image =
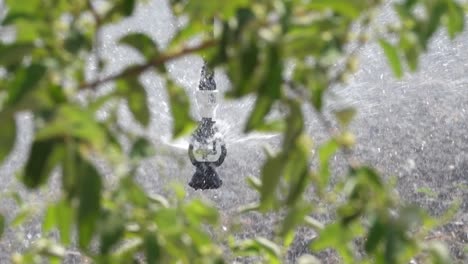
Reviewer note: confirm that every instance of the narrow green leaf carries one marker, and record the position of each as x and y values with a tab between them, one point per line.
137	102
180	109
455	18
121	8
44	156
295	125
23	214
112	229
325	153
141	42
2	225
78	122
135	94
142	148
392	56
152	249
89	205
25	81
345	116
197	212
376	233
346	8
270	247
7	135
11	54
64	220
254	182
261	109
271	174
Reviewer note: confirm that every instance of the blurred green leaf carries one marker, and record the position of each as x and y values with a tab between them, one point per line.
347	8
2	225
59	215
376	234
77	122
325	153
142	43
197	211
271	174
89	206
180	109
25	80
392	55
261	109
142	148
14	53
112	228
7	135
152	248
23	214
455	18
345	116
134	192
135	93
44	156
439	252
76	41
120	8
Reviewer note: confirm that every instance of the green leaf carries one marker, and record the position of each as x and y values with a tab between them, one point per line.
180	109
334	236
197	212
254	182
325	153
11	54
439	252
271	174
135	93
24	213
2	225
73	121
44	156
346	8
392	56
76	40
295	125
141	42
89	206
261	109
134	192
208	9
376	234
345	116
152	248
64	218
121	8
112	229
25	81
59	215
142	148
455	18
7	135
23	7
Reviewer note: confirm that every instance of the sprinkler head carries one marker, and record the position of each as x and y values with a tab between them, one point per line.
207	149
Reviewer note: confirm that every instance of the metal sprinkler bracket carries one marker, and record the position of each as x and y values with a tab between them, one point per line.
207	149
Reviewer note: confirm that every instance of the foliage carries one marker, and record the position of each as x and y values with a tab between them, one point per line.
254	42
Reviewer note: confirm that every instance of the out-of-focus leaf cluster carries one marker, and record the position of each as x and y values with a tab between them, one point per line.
286	53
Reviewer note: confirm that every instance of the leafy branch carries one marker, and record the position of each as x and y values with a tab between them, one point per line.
157	61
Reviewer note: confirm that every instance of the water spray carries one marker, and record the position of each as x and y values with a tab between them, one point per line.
207	149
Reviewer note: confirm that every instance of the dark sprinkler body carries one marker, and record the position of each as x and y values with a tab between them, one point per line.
207	149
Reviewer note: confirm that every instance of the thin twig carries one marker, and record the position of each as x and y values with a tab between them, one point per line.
138	69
